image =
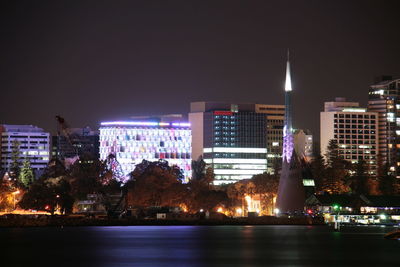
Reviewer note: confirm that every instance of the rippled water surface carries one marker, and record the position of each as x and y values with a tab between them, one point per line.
198	246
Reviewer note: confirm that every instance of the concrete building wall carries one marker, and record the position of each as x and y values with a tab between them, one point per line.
326	130
197	125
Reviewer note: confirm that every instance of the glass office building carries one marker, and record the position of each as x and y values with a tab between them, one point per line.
231	139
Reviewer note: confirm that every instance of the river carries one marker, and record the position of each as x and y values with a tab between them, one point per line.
198	246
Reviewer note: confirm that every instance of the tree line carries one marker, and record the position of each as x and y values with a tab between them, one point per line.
335	175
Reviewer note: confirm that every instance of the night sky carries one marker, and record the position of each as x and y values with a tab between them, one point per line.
90	61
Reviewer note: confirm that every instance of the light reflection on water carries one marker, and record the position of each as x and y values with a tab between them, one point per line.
198	246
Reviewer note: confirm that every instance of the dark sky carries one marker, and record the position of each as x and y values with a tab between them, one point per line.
90	61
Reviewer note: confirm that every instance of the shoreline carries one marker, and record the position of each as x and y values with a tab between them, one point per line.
55	221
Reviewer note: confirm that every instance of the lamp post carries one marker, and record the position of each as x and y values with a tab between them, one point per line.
336	207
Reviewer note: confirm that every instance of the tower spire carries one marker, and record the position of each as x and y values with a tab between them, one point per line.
288	129
288	80
291	191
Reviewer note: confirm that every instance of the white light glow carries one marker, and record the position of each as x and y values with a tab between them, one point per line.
232	171
239	150
308	182
144	123
255	161
354	110
288	81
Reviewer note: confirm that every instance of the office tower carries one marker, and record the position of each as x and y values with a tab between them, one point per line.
384	99
33	145
354	129
275	116
231	138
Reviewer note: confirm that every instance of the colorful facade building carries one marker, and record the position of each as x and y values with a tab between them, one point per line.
131	142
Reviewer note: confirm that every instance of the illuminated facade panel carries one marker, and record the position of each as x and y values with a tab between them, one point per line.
132	142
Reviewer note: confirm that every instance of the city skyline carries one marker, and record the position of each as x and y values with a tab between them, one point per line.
89	65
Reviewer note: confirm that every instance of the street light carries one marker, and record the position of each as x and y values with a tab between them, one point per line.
337	208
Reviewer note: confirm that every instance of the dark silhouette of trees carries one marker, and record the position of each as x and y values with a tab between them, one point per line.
6	197
151	182
337	171
388	183
266	185
49	194
318	170
198	168
360	180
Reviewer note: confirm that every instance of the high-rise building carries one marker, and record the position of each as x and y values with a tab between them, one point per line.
231	138
275	115
78	142
33	145
131	142
354	129
384	98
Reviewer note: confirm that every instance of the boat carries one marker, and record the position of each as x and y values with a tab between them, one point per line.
393	235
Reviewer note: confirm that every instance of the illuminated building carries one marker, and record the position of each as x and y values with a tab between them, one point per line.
33	145
231	138
275	116
134	141
384	98
80	141
354	129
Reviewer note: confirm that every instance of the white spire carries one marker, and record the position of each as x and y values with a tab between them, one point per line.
288	81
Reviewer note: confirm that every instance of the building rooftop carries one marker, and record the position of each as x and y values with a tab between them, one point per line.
21	128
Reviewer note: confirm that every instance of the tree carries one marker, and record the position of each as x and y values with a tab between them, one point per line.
6	197
359	182
387	181
26	176
198	168
49	194
155	184
337	171
266	186
85	177
15	160
318	170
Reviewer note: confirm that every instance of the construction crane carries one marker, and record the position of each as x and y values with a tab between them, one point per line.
64	130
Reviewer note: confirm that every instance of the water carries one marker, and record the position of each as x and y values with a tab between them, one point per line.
198	246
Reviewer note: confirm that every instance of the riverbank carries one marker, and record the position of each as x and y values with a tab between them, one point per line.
61	221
